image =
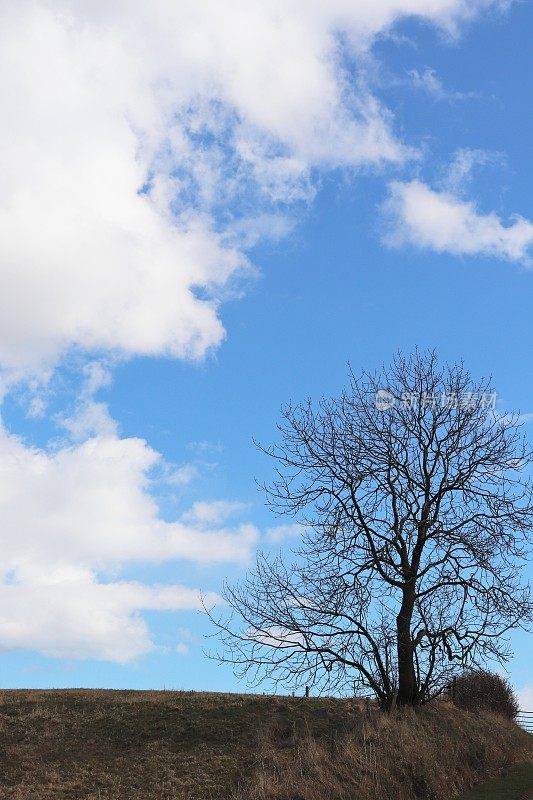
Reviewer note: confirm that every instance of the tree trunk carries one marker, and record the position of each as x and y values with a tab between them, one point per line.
407	684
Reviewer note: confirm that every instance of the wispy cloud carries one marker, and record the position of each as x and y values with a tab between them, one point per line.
429	219
525	697
428	81
281	533
213	512
459	172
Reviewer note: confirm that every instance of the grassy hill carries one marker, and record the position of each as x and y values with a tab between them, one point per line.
110	745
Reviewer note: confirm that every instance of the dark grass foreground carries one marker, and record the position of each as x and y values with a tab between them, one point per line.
515	784
107	745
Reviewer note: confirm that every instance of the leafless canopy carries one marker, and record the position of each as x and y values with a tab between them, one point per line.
416	510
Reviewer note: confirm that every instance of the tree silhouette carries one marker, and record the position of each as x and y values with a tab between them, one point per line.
416	511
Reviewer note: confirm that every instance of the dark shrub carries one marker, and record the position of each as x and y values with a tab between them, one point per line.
479	689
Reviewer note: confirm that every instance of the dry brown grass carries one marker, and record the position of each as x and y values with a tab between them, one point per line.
433	754
107	745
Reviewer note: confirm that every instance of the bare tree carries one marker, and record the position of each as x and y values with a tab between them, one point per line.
416	511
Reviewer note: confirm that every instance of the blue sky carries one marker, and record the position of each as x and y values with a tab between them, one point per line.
208	213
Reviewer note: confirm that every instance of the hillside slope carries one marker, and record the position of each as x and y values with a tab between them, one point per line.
110	745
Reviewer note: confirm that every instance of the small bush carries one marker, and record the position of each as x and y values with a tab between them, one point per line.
477	690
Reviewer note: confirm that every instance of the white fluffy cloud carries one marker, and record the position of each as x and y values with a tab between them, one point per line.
146	146
71	519
90	504
72	615
442	221
130	125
